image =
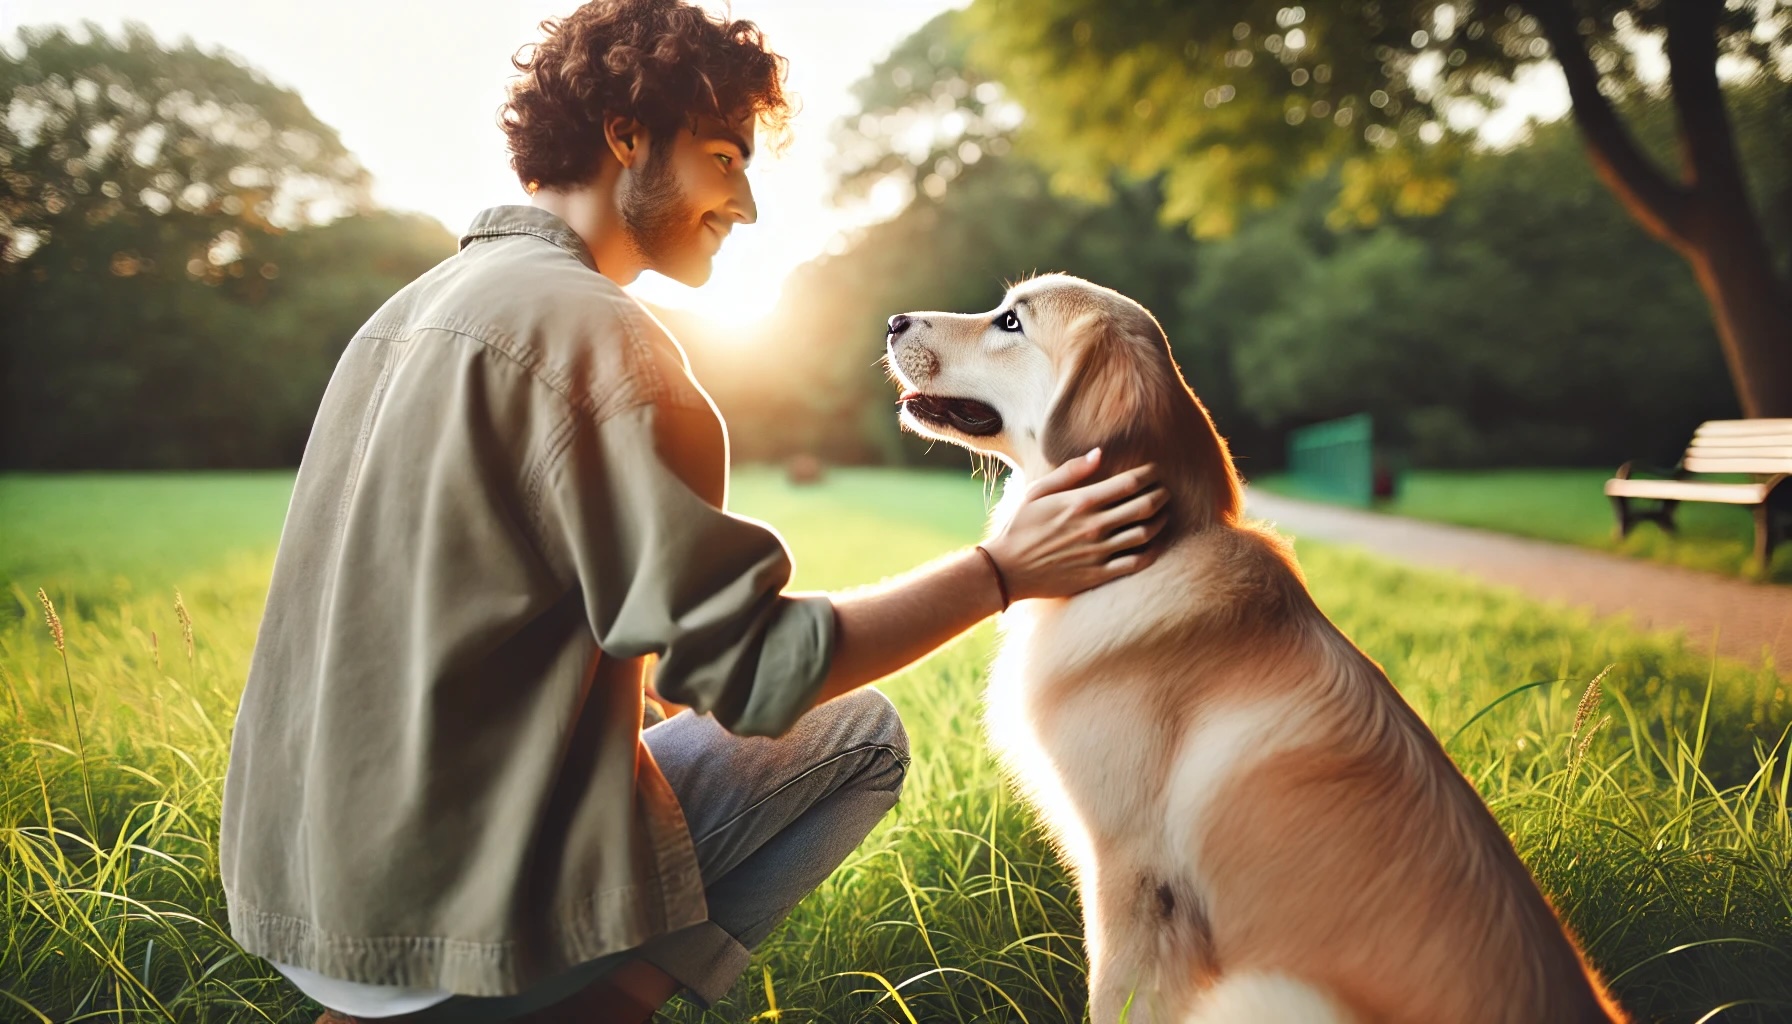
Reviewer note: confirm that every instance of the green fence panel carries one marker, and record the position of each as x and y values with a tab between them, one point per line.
1335	460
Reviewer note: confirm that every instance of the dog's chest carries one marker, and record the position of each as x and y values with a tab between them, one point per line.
1082	752
1120	759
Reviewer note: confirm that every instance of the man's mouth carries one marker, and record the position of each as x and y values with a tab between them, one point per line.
964	415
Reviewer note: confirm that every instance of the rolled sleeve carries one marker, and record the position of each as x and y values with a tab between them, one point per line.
664	571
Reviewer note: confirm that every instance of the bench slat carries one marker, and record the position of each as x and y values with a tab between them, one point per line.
1742	428
1737	465
1774	440
1687	490
1751	454
1770	446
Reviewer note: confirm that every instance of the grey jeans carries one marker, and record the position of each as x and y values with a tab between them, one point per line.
770	819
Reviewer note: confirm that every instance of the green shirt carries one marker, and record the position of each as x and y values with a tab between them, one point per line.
513	493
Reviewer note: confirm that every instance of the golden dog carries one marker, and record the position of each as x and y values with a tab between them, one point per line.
1262	830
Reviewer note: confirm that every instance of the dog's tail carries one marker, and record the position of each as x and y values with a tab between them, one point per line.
1262	998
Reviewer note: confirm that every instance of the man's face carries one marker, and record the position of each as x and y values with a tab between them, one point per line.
687	194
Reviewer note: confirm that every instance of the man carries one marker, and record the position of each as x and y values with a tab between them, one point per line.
440	804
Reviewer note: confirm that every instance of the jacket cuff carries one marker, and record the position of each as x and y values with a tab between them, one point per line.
797	653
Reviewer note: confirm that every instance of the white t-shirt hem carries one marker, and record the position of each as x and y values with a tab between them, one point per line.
358	999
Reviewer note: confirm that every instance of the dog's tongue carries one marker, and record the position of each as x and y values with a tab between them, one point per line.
908	396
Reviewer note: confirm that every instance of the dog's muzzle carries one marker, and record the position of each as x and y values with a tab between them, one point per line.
917	363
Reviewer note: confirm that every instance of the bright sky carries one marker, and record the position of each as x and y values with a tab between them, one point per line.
414	89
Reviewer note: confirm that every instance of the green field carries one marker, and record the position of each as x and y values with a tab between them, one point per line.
1569	505
107	535
1662	831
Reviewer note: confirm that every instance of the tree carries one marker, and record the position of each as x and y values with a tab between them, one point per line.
172	295
1468	335
98	130
1235	102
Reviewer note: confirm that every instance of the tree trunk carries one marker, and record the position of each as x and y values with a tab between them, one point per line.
1720	235
1707	217
1754	317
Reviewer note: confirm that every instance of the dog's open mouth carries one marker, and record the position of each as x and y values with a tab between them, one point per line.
965	415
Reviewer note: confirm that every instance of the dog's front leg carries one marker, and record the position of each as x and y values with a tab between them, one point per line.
1125	923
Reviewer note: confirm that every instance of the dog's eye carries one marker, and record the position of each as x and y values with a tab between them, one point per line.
1008	321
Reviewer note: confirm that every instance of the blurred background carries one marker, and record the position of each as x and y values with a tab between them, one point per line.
198	212
1386	214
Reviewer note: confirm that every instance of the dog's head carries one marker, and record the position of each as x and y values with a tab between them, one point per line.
1060	367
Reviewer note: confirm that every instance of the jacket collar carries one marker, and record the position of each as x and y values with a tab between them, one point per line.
527	220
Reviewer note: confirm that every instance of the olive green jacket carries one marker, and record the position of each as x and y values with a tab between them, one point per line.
513	493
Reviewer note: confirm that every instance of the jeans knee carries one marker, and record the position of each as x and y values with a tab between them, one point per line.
865	725
872	719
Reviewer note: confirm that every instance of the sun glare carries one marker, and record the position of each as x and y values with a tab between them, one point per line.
739	294
795	225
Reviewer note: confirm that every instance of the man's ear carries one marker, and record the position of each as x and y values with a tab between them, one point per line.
627	139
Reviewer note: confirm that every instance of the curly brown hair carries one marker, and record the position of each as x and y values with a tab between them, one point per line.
664	63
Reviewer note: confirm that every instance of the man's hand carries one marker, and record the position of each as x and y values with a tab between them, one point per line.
1065	539
1060	542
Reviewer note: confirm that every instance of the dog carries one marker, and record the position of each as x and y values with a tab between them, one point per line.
1261	829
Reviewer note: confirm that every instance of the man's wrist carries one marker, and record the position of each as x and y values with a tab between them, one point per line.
1001	581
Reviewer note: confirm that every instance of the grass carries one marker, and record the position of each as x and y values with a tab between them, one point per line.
1661	831
1569	505
106	536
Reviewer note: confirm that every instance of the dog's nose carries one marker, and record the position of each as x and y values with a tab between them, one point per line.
899	323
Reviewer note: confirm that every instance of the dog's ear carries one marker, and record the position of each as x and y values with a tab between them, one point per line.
1111	397
1123	394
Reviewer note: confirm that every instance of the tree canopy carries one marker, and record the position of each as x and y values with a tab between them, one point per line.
1235	102
100	129
184	251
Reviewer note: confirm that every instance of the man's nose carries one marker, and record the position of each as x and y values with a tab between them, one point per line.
743	209
899	323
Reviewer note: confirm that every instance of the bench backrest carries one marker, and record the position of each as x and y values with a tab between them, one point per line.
1741	446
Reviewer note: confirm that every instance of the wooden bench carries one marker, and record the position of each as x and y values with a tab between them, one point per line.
1761	449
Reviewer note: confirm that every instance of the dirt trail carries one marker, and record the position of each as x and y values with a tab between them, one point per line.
1743	617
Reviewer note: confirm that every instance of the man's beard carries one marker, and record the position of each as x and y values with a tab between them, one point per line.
655	211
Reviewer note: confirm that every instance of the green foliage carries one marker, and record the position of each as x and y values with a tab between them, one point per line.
1662	833
1532	322
924	110
1235	103
121	131
157	371
171	298
1356	330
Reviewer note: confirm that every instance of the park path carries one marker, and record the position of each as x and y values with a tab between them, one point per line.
1744	617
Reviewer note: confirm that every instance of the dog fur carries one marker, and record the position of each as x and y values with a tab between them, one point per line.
1262	830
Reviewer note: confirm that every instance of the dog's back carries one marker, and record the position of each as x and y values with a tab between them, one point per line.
1387	880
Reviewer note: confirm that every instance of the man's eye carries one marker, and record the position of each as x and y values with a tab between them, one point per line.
1008	321
727	161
